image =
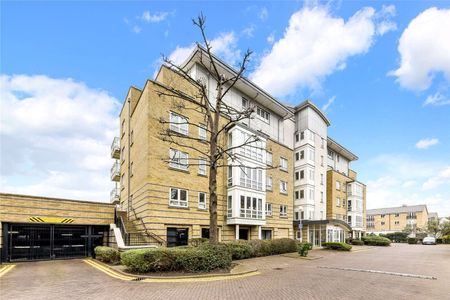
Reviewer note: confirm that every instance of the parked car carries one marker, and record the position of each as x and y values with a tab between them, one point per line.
429	240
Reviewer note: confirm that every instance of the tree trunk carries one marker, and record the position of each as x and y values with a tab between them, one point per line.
213	238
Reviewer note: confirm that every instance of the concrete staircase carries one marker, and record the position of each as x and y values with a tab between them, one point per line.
131	235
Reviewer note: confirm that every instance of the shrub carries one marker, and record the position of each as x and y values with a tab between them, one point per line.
204	258
240	249
397	237
303	248
374	240
357	242
412	240
107	254
337	246
197	241
280	246
261	247
445	239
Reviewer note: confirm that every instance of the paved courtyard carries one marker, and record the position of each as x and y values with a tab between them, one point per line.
281	278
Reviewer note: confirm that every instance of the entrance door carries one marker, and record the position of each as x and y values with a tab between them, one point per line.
177	236
243	233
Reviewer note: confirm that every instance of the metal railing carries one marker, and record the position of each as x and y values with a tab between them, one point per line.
115	148
159	240
115	171
114	195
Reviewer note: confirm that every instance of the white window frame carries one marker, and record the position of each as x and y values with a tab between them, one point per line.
283	164
269	211
178	202
283	187
202	205
269	183
263	114
201	166
283	210
269	157
177	124
175	159
202	132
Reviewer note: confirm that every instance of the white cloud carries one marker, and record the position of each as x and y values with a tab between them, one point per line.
385	24
441	178
424	49
56	136
426	143
248	31
271	38
136	29
263	14
437	100
224	45
329	102
400	179
315	44
153	18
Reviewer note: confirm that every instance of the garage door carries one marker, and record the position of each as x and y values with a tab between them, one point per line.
48	241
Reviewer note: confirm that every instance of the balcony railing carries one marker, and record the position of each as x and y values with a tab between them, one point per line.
115	171
114	195
115	148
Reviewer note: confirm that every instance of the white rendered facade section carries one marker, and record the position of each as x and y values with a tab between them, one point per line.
277	127
337	162
310	157
355	206
246	196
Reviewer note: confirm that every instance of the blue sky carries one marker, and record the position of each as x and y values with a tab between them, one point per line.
363	59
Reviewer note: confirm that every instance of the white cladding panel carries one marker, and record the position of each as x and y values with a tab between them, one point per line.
309	119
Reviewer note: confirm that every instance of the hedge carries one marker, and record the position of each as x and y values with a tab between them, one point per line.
357	242
257	248
107	254
445	239
204	258
412	240
374	240
337	246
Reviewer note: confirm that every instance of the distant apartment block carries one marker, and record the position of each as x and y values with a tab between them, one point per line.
394	219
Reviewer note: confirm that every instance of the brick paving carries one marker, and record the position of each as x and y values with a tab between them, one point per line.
280	278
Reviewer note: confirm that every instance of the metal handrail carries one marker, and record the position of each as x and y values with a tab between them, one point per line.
150	234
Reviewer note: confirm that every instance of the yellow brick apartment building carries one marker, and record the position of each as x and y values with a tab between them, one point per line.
395	219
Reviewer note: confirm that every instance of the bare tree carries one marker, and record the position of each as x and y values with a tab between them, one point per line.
218	116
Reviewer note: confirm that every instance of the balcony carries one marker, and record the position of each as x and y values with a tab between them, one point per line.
115	148
114	195
115	171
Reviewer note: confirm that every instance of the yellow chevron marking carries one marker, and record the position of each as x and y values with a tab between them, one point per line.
51	220
108	271
6	269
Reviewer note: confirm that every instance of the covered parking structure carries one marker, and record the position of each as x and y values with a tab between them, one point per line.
42	228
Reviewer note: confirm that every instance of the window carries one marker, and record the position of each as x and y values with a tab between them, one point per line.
251	178
205	233
283	187
178	159
201	200
266	234
202	132
178	197
131	169
269	158
268	209
338	185
397	215
230	207
131	138
297	176
302	215
122	181
311	174
269	183
321	179
311	154
296	215
244	103
382	215
338	202
202	166
302	154
178	123
283	210
297	156
311	136
321	160
263	114
311	194
397	222
382	223
302	174
123	127
321	197
302	194
302	135
296	195
322	144
230	176
251	208
283	164
297	137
